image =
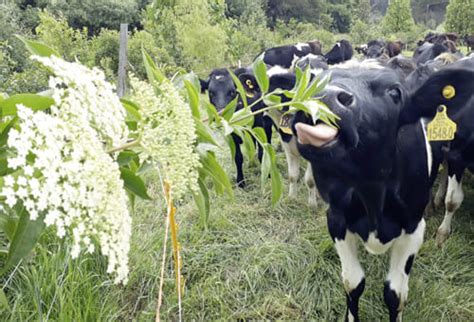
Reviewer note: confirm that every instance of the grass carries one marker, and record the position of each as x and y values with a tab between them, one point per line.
253	262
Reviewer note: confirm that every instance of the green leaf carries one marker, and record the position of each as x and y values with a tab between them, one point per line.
3	300
193	96
6	127
302	79
153	73
277	183
125	157
24	240
260	135
34	101
230	109
132	109
214	170
260	71
204	132
231	144
133	183
201	198
38	48
249	146
228	129
211	112
242	117
8	225
240	88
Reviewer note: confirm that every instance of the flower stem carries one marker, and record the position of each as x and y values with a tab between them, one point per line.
127	145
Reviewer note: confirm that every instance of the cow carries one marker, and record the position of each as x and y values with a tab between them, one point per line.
341	52
429	51
316	63
374	169
469	42
439	38
222	90
457	157
393	48
286	56
402	64
376	48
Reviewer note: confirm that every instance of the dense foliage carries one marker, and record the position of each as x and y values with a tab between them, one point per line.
459	17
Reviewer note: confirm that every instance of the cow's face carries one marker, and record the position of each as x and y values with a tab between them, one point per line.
368	104
221	89
428	51
373	106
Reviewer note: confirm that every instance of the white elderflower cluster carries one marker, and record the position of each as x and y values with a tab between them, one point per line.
168	134
83	96
65	178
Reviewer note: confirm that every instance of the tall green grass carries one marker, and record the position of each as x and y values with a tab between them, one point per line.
253	262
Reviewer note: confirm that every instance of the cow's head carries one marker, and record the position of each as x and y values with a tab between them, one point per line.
220	87
372	106
428	51
341	52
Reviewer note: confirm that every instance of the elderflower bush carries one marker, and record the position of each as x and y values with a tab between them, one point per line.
62	173
168	135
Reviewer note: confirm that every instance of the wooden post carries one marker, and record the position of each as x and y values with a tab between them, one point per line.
122	66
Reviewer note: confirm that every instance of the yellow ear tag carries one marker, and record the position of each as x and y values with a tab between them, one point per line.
441	128
285	124
249	94
449	92
249	83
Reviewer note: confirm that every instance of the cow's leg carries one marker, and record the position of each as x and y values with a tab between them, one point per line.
352	273
267	127
312	191
404	250
443	185
453	200
239	161
293	160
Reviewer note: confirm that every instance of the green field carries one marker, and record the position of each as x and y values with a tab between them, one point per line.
254	262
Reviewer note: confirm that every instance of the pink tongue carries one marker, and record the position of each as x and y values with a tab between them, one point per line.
316	135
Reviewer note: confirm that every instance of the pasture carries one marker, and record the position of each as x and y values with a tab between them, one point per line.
254	262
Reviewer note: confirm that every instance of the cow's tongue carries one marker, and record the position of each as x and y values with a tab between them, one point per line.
316	135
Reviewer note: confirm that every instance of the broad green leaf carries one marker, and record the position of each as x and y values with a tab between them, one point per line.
125	157
34	101
26	236
8	225
231	144
249	146
132	109
260	71
3	300
260	135
272	100
215	171
301	83
38	48
153	73
242	117
204	132
5	129
240	88
201	198
230	109
212	114
193	96
133	183
228	129
277	183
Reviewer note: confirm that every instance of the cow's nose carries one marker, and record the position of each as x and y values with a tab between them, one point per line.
345	98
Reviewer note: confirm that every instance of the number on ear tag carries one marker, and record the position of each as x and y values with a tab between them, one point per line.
285	124
441	128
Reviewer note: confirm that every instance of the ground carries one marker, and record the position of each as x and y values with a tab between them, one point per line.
253	262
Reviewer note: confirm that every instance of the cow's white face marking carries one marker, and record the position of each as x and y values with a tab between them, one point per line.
218	77
429	154
338	44
300	45
374	246
352	272
293	62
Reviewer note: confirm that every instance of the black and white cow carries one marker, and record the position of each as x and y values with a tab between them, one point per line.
341	52
222	90
374	169
286	56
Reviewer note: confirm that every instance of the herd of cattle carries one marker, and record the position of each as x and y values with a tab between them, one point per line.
377	168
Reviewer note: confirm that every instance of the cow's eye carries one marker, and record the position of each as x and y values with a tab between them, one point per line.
395	94
232	93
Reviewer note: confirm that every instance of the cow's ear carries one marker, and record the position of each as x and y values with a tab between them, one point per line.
452	87
204	85
249	82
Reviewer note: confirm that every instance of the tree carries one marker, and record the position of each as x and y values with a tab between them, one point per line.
398	17
459	17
